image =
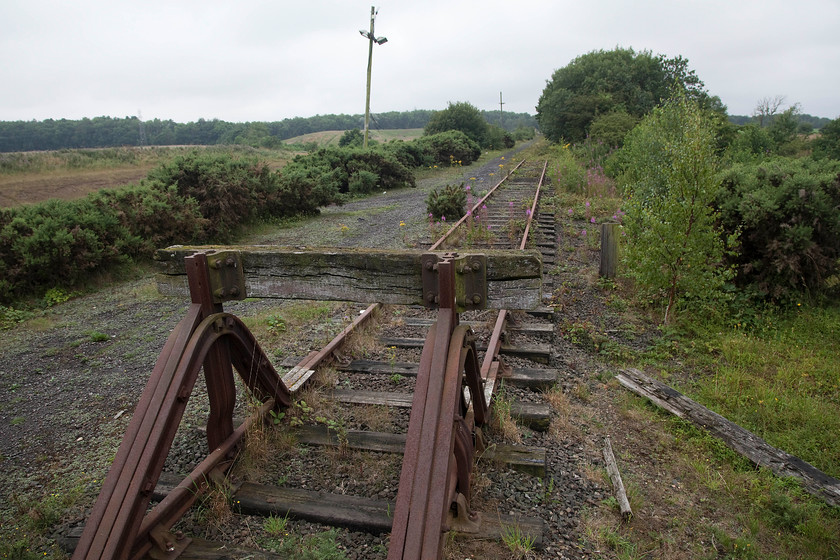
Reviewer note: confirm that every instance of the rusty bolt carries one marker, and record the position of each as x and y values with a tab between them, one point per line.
234	291
429	265
476	299
476	266
430	297
215	264
220	293
230	262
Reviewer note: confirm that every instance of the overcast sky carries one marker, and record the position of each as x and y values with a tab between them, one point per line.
255	60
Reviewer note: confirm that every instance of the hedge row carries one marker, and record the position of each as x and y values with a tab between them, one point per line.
196	198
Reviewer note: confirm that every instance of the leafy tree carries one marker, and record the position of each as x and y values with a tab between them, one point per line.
675	247
351	138
459	116
828	143
611	128
603	81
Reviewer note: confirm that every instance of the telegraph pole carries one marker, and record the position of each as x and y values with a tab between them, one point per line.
379	41
501	112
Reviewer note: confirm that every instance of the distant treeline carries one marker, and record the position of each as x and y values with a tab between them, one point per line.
815	122
104	132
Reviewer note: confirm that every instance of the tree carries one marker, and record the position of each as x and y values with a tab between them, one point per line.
675	247
766	108
600	82
351	138
459	116
828	143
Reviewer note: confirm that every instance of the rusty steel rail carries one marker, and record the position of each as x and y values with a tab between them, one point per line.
434	492
436	245
118	526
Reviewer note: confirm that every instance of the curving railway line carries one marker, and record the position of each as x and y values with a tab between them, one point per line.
436	424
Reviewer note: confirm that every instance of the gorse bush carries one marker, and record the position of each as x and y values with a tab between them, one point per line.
786	211
452	144
229	192
329	173
447	202
195	198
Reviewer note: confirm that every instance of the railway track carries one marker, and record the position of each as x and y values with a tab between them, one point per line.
339	454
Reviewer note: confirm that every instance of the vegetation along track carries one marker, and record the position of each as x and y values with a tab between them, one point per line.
345	434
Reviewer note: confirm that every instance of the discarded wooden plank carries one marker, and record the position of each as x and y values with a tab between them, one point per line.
514	278
532	378
359	513
523	458
200	549
536	352
737	438
340	510
536	328
536	416
618	485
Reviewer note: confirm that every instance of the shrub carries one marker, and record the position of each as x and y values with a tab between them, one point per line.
453	144
226	190
410	154
362	182
328	173
498	139
462	117
447	202
787	213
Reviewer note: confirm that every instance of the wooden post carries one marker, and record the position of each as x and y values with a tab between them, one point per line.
609	250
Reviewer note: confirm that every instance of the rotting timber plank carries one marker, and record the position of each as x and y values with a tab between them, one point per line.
536	352
353	512
359	513
514	278
739	439
526	459
536	416
532	378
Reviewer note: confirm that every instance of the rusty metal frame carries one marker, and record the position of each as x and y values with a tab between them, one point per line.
440	447
208	338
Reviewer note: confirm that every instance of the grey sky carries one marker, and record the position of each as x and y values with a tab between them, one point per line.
255	60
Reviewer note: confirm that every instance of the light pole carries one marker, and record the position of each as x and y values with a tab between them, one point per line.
379	41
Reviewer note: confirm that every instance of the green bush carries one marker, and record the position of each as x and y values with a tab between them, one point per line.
498	139
330	172
453	144
787	213
195	198
447	203
229	192
462	117
410	154
827	145
362	182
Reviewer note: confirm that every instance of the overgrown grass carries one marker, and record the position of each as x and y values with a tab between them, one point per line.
781	382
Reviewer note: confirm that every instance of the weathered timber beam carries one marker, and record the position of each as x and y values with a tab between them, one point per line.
514	278
737	438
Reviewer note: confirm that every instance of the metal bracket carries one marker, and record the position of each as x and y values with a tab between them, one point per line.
470	280
227	276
